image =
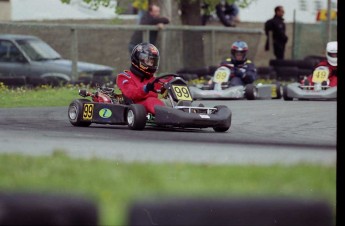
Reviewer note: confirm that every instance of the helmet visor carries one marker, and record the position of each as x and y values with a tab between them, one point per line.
239	55
149	60
334	55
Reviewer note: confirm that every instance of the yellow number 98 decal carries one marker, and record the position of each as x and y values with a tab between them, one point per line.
182	92
88	111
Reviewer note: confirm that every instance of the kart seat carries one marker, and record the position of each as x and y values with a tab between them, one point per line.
127	100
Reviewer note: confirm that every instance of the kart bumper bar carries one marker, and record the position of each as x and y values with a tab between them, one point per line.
235	93
294	91
166	116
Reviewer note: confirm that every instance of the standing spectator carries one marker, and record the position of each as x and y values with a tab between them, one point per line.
152	17
277	26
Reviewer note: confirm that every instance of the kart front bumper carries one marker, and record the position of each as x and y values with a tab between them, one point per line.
294	91
166	116
229	93
235	92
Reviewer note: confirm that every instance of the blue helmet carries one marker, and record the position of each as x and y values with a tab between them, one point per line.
239	51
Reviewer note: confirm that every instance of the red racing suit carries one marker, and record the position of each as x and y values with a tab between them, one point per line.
333	77
132	87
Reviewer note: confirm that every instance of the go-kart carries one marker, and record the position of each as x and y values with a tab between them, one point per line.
107	107
319	90
219	88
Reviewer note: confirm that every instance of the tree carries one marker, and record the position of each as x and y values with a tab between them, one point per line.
190	9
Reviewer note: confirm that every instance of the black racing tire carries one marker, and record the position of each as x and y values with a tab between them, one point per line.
136	117
287	73
75	113
54	81
285	96
47	208
250	92
278	90
225	127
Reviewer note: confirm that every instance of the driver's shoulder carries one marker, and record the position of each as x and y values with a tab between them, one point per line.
126	73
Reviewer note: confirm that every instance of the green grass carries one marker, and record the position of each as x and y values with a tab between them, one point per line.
113	185
37	97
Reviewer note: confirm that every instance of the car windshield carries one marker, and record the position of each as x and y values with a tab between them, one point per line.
37	50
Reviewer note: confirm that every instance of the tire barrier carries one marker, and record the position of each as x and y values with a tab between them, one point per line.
236	212
19	208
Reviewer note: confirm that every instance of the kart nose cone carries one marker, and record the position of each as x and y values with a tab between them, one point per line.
317	86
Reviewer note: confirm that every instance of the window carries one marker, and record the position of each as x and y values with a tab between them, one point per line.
9	52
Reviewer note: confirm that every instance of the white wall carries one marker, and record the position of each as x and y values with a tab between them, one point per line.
262	10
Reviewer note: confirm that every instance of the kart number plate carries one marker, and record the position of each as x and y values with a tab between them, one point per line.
182	92
320	74
88	112
274	92
221	75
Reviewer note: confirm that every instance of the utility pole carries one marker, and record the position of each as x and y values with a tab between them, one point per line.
329	20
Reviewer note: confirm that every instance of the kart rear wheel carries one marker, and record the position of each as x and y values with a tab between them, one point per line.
285	95
75	113
250	92
136	117
224	127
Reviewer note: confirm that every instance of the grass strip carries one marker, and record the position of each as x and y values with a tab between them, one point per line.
114	184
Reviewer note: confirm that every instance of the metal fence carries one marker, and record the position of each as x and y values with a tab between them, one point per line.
311	39
108	44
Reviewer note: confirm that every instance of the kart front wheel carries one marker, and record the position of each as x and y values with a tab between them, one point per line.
285	94
224	127
250	92
75	113
136	117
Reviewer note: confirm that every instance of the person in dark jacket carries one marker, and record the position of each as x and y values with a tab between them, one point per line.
228	14
276	25
243	70
152	17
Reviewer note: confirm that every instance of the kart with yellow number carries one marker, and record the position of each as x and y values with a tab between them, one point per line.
218	88
107	107
319	90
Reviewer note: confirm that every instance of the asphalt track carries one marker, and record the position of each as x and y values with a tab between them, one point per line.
262	132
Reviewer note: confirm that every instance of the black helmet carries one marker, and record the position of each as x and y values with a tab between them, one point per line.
239	51
145	59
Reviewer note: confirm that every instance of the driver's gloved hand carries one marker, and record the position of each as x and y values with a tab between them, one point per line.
240	72
148	87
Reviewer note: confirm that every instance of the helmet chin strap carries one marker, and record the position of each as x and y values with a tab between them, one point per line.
139	72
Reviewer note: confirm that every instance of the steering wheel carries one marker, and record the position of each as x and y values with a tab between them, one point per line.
166	75
163	80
